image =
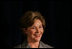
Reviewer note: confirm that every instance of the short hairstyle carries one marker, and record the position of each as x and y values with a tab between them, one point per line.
28	18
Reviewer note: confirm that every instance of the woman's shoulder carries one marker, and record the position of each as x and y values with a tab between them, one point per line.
42	45
22	45
45	45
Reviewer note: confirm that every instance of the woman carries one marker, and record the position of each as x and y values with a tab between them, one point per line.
32	25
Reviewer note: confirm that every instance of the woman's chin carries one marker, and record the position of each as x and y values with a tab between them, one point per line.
37	39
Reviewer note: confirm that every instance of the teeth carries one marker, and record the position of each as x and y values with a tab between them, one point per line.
37	34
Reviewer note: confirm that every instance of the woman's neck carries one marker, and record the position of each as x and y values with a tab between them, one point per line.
33	44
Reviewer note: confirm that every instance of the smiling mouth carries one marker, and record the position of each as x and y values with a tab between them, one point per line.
37	35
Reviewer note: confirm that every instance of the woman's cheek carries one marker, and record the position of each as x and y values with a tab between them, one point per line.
42	30
31	31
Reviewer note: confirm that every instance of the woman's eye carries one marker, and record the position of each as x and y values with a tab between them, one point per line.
33	27
40	27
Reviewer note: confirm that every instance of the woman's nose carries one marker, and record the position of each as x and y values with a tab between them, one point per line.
37	30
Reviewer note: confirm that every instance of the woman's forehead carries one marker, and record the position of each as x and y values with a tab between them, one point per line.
37	22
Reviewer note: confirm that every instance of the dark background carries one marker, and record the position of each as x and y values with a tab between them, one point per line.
57	16
64	24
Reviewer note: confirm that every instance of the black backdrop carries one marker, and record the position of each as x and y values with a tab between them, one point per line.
57	24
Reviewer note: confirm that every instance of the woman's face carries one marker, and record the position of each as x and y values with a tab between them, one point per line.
35	32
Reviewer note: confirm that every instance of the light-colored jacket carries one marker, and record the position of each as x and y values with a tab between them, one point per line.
25	45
